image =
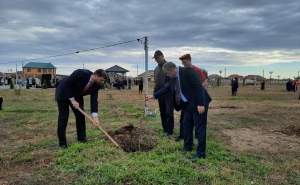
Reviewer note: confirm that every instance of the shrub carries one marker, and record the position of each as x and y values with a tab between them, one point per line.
44	85
12	85
17	90
27	85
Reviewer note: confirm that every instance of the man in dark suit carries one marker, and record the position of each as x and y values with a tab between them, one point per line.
234	86
188	96
70	92
186	60
1	100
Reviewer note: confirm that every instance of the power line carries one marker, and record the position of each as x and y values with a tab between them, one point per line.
53	56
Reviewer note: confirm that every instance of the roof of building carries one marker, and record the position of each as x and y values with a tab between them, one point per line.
39	65
254	76
2	74
214	76
150	73
235	76
19	72
116	69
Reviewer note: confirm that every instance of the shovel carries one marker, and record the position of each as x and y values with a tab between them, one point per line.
100	128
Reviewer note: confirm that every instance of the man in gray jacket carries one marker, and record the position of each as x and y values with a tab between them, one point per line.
166	106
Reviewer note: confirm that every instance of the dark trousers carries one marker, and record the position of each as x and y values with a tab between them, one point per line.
181	124
233	91
193	118
63	116
1	100
181	134
166	108
140	89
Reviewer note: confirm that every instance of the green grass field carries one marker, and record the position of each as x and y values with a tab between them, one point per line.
253	138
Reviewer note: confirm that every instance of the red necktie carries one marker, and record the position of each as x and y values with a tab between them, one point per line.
177	97
87	87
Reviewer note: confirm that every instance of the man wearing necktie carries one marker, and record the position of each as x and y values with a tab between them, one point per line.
69	92
186	60
190	90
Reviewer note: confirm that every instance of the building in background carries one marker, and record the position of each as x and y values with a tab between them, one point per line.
37	69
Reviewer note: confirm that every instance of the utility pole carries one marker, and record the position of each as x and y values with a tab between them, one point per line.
270	75
146	72
137	71
263	73
16	73
220	77
23	70
225	75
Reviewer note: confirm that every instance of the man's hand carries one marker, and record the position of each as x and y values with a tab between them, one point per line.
201	109
75	103
96	121
149	97
205	83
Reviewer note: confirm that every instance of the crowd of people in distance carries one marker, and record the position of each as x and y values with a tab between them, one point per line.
126	84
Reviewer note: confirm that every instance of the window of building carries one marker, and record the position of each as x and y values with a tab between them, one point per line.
28	70
39	70
49	70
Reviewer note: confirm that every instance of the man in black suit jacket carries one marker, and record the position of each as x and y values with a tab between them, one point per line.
192	101
70	92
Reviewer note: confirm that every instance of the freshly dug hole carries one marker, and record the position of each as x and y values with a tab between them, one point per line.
128	138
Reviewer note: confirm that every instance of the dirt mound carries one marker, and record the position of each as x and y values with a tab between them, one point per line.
133	139
291	130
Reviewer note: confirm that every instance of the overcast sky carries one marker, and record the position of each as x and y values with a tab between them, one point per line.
243	36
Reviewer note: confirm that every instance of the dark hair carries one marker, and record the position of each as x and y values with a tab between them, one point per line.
101	73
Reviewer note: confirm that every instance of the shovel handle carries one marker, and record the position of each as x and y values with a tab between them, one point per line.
100	128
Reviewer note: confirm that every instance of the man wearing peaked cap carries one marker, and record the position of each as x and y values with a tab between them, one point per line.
157	54
166	106
185	56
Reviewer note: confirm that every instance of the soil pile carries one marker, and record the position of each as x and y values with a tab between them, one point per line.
291	130
133	139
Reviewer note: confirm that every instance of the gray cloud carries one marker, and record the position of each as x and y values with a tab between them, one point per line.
42	28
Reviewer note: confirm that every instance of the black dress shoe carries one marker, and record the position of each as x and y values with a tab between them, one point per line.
186	151
63	146
195	157
178	138
169	136
82	141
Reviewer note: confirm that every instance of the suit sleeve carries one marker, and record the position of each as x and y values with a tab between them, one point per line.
94	101
71	80
197	85
165	90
